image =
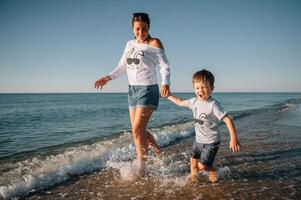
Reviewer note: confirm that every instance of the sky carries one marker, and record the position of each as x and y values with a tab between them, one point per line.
66	45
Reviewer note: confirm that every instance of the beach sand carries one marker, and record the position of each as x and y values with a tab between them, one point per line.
267	169
109	184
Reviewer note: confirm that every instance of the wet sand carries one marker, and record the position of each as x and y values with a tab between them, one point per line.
254	174
268	167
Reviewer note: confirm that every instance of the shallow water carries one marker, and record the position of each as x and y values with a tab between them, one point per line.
268	165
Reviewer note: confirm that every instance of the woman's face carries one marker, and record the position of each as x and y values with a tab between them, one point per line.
140	30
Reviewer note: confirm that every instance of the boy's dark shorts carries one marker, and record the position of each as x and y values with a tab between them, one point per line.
205	152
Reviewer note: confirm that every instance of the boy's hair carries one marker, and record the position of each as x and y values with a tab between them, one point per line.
204	76
141	17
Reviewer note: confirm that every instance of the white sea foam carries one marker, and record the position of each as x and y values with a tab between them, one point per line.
38	173
129	170
223	172
164	173
169	134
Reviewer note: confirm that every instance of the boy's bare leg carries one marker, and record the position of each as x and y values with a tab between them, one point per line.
202	167
194	169
212	172
213	175
152	142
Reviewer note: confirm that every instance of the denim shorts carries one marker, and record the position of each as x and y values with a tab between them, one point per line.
143	96
205	152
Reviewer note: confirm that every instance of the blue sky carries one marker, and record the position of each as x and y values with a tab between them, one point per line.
65	45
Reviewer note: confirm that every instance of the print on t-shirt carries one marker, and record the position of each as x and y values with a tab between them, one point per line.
199	119
133	59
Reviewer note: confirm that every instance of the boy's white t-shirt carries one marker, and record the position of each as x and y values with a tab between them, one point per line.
208	113
140	62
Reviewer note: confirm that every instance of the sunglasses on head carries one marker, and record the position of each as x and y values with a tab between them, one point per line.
129	61
200	122
140	15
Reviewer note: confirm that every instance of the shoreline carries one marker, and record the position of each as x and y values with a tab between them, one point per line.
268	164
249	178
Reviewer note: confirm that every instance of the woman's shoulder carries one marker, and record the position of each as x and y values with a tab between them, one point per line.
155	42
130	42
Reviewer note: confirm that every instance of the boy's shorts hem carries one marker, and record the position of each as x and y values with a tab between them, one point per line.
205	152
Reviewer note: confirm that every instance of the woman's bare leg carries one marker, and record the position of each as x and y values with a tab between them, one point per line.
139	119
152	142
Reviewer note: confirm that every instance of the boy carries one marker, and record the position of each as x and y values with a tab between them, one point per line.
206	112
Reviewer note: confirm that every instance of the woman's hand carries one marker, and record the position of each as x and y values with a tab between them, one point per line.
101	82
164	91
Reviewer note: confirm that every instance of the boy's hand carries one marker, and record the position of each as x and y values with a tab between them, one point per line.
164	91
234	145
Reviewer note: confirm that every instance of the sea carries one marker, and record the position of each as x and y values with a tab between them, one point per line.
48	139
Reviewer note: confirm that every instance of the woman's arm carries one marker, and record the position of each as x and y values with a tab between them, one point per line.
102	81
164	67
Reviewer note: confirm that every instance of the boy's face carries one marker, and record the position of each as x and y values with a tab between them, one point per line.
202	90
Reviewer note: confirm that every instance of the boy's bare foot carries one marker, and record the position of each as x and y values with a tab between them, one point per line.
193	178
213	176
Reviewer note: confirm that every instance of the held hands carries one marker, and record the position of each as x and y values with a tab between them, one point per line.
101	82
164	91
234	145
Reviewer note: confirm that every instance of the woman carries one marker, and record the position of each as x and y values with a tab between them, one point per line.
140	59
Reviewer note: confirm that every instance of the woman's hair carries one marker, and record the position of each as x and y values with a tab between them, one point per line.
141	17
204	76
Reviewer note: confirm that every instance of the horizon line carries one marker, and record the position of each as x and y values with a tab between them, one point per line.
295	92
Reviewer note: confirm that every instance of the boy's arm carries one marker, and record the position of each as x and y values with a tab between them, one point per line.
178	101
234	144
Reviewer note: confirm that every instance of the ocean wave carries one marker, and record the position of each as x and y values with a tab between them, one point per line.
39	173
36	174
288	105
240	114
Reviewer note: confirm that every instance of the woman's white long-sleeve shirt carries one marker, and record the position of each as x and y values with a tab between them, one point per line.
140	62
